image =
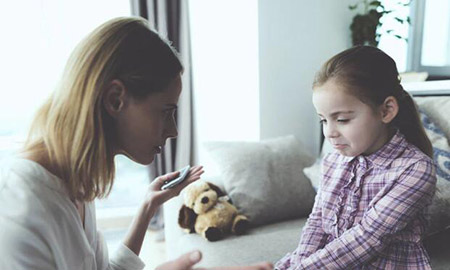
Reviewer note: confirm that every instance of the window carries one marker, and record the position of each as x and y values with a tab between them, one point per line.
37	39
430	49
225	64
428	45
393	46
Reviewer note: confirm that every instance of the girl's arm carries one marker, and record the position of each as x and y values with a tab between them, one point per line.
406	198
313	238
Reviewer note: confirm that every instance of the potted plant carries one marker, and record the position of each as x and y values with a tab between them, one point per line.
367	27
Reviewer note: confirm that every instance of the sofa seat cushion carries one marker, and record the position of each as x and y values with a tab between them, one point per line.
438	247
274	241
264	243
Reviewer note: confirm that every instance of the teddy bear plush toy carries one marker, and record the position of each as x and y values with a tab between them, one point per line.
208	212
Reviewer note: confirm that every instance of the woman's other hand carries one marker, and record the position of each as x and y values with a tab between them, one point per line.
184	262
188	260
158	196
258	266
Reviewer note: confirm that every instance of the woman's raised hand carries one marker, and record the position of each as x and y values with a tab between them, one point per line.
158	196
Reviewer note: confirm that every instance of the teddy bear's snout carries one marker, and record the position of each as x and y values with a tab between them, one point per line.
205	201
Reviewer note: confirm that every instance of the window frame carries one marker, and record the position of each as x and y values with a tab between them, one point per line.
416	43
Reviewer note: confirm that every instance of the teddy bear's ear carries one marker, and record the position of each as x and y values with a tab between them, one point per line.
186	218
219	192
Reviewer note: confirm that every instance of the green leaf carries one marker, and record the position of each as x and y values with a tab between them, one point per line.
399	20
375	3
406	4
353	7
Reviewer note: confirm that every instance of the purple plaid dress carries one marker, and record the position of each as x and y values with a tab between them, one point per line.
369	213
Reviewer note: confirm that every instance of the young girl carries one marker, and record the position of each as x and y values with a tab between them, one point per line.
370	211
118	95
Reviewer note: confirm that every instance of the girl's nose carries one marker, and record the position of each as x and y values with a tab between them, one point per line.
329	131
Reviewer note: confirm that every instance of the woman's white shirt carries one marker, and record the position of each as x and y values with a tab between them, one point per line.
41	227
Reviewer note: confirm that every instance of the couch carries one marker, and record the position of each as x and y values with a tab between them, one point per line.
285	178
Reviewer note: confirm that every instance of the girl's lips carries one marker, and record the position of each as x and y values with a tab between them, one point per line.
339	146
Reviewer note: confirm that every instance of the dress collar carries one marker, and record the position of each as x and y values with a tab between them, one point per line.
37	174
384	156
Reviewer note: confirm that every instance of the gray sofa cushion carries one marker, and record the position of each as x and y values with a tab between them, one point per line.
274	241
264	179
438	247
265	243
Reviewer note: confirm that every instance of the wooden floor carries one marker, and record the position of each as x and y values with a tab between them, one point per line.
153	251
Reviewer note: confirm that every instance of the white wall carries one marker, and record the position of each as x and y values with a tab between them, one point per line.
295	38
224	39
254	62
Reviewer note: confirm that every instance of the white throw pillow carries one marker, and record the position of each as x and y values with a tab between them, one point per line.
264	179
438	110
313	172
440	207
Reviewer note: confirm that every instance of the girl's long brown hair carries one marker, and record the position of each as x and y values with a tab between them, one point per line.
371	75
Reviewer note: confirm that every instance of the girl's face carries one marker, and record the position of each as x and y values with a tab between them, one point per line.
351	126
144	125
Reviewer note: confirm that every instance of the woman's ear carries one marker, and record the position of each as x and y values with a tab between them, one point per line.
389	109
114	98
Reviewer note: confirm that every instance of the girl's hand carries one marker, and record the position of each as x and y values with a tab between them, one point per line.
158	196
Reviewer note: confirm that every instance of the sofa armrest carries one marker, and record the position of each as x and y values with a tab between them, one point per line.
172	230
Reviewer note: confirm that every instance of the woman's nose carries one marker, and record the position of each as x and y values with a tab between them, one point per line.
172	131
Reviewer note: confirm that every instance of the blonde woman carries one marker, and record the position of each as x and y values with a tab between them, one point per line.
118	95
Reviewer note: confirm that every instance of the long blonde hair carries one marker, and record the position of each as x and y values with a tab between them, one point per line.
72	127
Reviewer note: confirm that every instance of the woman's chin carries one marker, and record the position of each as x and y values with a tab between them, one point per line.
146	160
143	160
